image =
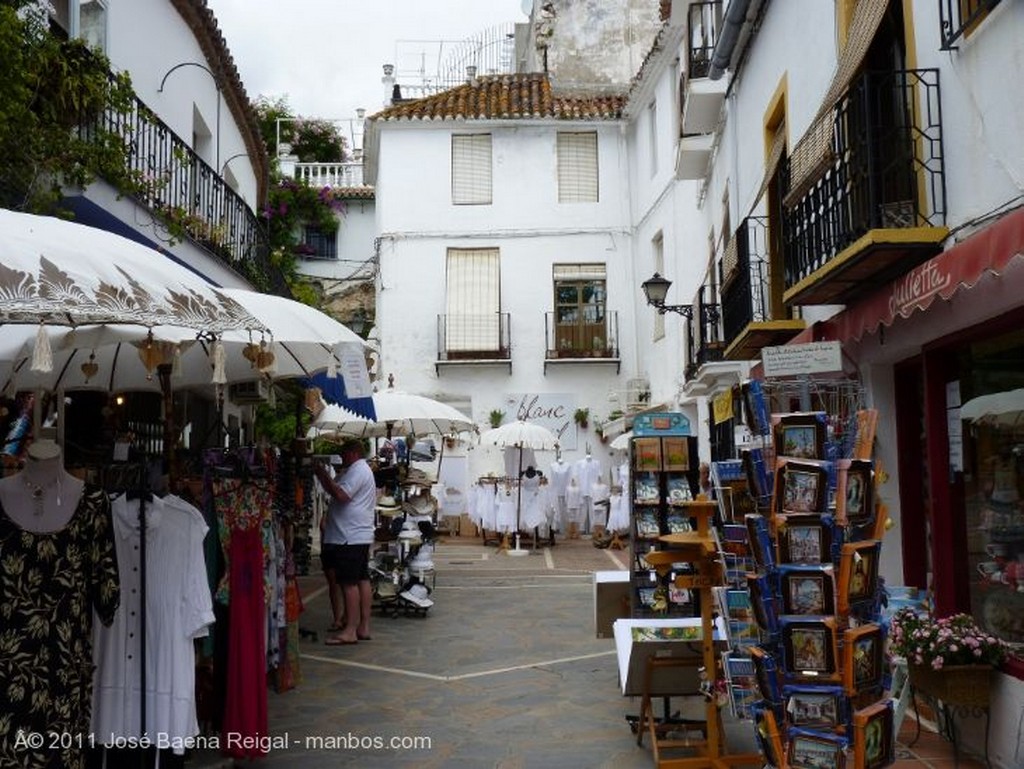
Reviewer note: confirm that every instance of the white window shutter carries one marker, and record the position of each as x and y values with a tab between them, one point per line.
472	303
577	167
471	169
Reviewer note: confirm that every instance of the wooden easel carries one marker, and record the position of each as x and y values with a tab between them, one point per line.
700	549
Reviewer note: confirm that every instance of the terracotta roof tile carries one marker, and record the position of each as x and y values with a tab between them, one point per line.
506	97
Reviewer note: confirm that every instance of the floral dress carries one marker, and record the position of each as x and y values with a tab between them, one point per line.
49	585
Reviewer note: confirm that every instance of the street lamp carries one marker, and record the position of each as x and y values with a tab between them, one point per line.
656	289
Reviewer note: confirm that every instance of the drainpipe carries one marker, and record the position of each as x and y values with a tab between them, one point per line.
735	19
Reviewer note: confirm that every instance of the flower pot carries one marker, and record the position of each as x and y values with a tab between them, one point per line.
961	685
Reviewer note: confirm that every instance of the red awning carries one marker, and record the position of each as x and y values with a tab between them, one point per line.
990	250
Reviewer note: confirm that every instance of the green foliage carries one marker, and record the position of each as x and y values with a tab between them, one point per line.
50	89
312	139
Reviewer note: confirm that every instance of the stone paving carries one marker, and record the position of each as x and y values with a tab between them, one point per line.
504	671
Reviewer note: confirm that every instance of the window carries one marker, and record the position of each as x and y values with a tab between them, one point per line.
471	169
317	244
577	167
658	246
86	19
961	17
580	304
473	300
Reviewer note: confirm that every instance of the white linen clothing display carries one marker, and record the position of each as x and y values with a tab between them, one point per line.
599	493
533	512
513	464
573	500
506	509
587	471
559	473
618	513
178	609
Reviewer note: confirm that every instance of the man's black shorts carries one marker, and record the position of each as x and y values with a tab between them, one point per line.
350	562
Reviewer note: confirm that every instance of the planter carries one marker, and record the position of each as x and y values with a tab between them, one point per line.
958	685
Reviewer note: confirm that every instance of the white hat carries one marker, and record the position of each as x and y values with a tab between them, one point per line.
417	594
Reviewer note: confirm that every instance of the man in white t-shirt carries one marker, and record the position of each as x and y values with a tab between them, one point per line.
348	537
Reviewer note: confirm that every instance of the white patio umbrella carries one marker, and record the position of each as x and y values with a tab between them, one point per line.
59	273
299	341
520	435
398	413
621	442
1002	409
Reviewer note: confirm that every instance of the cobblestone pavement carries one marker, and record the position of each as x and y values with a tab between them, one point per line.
504	671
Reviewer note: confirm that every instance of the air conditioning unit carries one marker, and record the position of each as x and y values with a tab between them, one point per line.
257	391
638	393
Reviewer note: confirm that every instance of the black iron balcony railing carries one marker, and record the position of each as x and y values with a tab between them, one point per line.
745	296
584	337
703	335
188	196
468	337
705	21
887	170
957	17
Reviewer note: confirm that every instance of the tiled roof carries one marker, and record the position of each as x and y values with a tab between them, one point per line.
506	97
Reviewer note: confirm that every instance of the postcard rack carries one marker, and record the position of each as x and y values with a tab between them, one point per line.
700	549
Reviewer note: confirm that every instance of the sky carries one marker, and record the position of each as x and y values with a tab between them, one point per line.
327	56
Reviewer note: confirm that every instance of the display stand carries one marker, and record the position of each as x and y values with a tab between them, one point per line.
700	549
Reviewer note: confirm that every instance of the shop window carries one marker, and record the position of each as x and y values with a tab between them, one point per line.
471	169
577	167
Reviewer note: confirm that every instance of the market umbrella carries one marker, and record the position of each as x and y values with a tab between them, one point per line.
621	442
520	435
56	272
397	413
1002	409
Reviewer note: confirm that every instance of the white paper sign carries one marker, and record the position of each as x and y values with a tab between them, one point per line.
796	359
353	370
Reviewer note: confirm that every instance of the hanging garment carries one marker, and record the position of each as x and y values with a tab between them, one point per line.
178	609
618	513
505	517
50	584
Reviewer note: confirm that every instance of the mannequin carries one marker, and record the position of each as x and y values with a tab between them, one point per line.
586	471
43	496
559	485
599	494
572	514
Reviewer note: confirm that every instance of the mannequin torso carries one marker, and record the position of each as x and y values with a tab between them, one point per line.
43	497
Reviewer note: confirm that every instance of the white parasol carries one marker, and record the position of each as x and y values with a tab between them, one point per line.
398	413
621	442
520	435
60	273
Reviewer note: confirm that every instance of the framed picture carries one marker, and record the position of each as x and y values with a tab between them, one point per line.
809	648
734	500
863	658
675	454
647	526
766	675
814	707
873	739
800	436
804	538
676	522
762	602
858	575
807	590
766	732
645	489
760	541
807	749
855	493
647	454
801	487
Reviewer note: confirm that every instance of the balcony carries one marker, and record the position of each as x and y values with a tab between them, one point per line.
330	174
474	340
703	332
747	320
693	156
186	194
582	342
879	208
702	97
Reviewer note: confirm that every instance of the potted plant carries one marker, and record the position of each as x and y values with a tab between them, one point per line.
582	417
949	658
495	417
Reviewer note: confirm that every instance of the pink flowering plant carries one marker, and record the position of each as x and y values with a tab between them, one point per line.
956	640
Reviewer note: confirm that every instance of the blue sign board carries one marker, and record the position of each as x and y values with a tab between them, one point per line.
661	423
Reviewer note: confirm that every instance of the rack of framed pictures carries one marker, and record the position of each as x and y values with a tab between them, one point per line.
663	458
814	542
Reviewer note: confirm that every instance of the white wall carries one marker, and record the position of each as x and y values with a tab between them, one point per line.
356	232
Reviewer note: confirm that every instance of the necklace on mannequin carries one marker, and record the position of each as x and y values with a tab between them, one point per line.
37	493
